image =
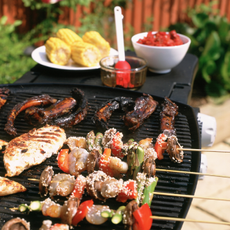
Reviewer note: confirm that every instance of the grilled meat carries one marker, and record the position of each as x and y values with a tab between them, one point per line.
35	115
104	113
168	113
172	149
8	187
2	143
32	148
144	107
33	101
4	93
77	115
16	223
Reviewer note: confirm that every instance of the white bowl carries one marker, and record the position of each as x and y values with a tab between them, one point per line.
161	59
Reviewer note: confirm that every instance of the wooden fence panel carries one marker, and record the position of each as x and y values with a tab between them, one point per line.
140	14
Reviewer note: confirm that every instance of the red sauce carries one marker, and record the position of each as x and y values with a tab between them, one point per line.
161	39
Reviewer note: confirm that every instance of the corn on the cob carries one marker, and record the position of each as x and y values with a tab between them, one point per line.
85	54
93	37
68	36
57	51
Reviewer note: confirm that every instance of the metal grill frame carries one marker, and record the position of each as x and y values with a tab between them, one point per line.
187	133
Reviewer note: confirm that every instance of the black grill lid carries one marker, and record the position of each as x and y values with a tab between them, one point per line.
187	133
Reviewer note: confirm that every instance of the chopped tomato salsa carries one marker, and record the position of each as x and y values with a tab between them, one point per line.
161	39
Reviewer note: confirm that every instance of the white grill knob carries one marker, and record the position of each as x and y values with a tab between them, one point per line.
208	129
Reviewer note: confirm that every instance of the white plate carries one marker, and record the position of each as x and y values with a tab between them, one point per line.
39	55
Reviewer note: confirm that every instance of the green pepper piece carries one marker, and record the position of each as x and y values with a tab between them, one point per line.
98	142
149	190
139	159
117	217
90	138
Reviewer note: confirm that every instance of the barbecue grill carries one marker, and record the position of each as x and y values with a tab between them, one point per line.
188	133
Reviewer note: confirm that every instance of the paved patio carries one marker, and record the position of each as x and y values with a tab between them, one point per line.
218	163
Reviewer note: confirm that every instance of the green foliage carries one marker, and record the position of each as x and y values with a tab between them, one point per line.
210	42
13	63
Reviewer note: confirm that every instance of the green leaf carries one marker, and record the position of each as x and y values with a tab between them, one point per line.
208	69
199	19
225	67
213	46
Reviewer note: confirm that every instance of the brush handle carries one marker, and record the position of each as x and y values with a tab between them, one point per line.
119	33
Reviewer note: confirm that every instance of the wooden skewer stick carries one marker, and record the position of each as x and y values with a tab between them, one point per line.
190	196
173	194
188	172
189	220
204	150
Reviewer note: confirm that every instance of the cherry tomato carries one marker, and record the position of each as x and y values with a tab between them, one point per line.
160	145
143	221
63	160
82	211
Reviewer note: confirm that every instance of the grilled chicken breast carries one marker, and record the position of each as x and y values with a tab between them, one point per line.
32	148
8	187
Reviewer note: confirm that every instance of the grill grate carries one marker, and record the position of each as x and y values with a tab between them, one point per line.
187	133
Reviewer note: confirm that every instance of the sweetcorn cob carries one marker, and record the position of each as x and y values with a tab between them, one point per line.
93	37
57	51
85	54
68	36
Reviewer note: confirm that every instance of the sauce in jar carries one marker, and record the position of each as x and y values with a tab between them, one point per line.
161	39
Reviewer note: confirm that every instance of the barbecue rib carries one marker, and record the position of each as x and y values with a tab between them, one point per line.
104	113
144	107
4	93
33	101
32	148
77	115
167	116
35	115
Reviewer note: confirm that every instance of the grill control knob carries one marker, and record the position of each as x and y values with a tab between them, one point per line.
208	129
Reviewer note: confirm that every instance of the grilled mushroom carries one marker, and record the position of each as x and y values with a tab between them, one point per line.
92	162
16	224
69	209
128	218
45	180
172	149
149	166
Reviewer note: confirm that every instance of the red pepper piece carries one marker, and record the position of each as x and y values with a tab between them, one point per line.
160	145
104	162
128	192
79	187
82	211
117	145
142	216
63	160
